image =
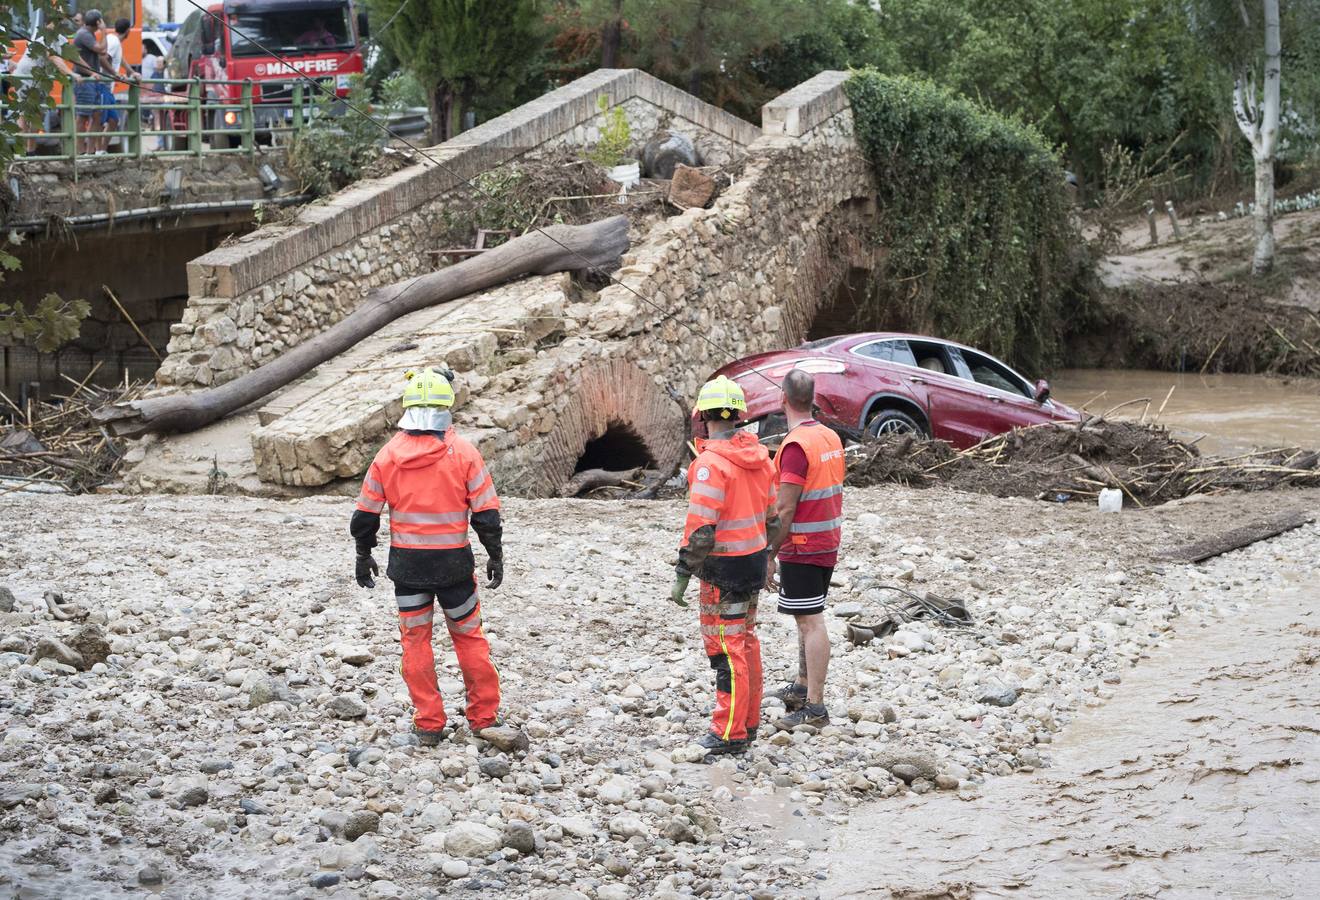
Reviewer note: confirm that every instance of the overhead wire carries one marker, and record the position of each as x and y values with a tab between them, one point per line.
472	182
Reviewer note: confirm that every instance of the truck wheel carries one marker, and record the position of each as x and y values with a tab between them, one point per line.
892	421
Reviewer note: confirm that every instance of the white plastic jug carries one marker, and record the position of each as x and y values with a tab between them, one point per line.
1111	500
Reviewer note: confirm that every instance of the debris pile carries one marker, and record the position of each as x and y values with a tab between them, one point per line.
55	446
1073	461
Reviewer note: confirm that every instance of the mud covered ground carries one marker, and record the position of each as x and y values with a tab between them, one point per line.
248	732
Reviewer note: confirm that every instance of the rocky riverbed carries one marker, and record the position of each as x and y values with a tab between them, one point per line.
221	714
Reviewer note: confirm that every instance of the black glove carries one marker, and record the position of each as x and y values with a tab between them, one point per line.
494	571
366	567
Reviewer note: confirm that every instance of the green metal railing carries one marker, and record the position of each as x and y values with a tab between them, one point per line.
193	110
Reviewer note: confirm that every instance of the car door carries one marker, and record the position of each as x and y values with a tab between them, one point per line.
1010	397
886	368
956	407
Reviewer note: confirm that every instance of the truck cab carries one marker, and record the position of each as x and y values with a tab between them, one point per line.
272	43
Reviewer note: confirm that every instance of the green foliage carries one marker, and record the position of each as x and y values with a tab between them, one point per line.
48	325
331	151
975	222
479	55
53	320
615	135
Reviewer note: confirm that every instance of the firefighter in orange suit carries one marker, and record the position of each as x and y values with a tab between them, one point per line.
731	494
435	484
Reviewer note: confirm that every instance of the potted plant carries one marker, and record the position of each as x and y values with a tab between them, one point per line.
611	151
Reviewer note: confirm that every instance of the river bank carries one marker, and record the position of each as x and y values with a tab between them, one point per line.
157	762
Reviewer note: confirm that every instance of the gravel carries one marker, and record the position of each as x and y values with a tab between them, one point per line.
214	720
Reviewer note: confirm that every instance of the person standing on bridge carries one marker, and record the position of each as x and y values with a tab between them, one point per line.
435	484
810	509
731	488
94	63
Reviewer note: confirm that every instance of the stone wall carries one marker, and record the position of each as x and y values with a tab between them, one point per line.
110	184
254	299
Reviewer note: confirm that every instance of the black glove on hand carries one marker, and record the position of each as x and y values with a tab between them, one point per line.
494	571
366	567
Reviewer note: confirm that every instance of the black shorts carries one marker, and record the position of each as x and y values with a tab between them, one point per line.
803	588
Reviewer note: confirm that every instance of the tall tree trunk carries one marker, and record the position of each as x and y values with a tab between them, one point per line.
442	110
1258	119
611	38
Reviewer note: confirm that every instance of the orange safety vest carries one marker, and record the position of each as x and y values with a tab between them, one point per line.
431	488
731	483
818	522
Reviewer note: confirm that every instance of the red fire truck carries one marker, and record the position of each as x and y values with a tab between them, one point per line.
271	42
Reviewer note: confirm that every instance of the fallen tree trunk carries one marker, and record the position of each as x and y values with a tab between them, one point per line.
591	479
561	248
1236	538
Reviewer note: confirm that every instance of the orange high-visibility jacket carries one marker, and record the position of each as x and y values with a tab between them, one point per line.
432	488
730	485
818	523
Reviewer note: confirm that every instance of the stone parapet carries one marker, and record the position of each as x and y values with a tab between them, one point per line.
291	281
806	107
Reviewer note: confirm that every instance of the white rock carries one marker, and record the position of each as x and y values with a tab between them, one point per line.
455	868
625	826
472	839
617	791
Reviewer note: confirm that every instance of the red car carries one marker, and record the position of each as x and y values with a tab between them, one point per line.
882	382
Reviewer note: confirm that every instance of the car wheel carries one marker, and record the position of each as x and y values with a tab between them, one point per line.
891	421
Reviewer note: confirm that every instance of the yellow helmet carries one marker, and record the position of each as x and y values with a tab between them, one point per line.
427	388
722	395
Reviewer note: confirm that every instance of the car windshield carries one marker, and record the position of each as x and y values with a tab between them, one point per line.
290	31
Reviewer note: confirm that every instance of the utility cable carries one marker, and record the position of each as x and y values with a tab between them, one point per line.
472	182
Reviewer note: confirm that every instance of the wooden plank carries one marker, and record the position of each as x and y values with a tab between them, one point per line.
1236	538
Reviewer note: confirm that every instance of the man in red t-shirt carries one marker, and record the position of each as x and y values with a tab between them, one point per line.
810	509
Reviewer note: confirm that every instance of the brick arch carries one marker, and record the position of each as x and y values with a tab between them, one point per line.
838	244
596	395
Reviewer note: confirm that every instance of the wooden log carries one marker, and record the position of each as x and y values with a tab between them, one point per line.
591	479
1236	538
561	248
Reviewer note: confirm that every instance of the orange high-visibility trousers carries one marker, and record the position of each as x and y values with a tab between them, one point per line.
728	630
463	617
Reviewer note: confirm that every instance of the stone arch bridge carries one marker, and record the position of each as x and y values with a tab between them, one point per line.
551	374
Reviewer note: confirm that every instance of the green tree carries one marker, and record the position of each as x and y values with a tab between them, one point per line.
697	43
480	55
51	321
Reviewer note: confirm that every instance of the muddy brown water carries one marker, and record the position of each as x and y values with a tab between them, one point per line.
1201	777
1227	413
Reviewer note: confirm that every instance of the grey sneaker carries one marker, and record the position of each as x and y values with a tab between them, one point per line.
813	714
792	695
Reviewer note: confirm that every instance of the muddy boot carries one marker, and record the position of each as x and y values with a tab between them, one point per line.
793	695
715	745
813	714
432	738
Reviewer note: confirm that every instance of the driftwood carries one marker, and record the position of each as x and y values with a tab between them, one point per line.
591	479
561	248
1236	538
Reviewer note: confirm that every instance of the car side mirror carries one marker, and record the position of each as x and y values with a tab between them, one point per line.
364	30
1042	391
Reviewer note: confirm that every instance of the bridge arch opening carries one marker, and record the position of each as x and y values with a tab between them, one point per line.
620	447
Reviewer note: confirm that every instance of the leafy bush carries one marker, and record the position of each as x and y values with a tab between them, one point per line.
332	150
975	220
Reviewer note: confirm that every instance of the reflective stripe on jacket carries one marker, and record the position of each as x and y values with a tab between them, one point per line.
431	488
818	522
731	483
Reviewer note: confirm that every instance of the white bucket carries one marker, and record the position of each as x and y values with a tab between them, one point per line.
628	174
1111	500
